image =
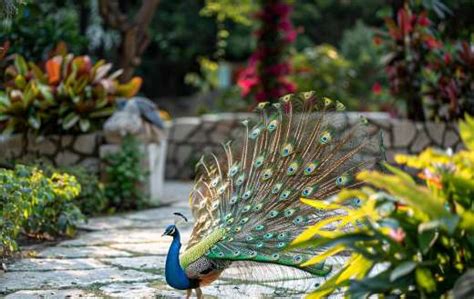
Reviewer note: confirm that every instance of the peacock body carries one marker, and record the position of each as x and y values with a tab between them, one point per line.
246	202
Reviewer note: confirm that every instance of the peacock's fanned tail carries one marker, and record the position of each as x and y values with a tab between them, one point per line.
246	203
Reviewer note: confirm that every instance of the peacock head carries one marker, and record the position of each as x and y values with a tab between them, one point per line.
170	230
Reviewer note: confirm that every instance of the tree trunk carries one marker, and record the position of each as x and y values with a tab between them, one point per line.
134	32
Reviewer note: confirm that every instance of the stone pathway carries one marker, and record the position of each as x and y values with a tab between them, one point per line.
124	256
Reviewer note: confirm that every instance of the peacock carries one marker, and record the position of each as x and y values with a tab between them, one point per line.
246	202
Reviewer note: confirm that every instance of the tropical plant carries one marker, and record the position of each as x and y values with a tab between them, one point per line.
265	78
410	239
124	176
35	204
424	68
69	94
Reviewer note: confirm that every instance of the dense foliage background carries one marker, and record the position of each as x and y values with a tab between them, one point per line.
181	33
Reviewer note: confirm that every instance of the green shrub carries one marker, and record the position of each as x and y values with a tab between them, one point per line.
36	204
324	69
92	199
358	46
124	176
422	235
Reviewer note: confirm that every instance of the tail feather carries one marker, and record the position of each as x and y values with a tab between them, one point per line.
297	149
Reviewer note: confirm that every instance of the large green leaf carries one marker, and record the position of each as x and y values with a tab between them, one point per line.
426	239
103	112
70	120
85	125
21	65
34	122
402	269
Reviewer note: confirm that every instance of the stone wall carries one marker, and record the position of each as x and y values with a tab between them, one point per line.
190	137
65	150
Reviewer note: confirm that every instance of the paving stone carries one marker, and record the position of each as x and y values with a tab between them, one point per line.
51	294
116	236
133	290
103	223
13	281
55	264
77	252
154	248
153	262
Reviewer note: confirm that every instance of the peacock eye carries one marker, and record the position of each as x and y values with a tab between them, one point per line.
268	235
285	195
259	245
289	212
281	244
246	209
298	258
247	194
275	256
260	227
273	214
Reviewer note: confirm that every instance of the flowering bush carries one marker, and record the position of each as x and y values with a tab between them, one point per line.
419	238
424	69
67	93
35	204
265	76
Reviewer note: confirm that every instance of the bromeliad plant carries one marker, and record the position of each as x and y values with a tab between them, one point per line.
410	239
69	93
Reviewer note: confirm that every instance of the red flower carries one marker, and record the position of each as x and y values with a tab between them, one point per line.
377	88
433	43
423	20
404	19
377	40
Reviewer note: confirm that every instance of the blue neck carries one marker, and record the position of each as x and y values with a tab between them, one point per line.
175	275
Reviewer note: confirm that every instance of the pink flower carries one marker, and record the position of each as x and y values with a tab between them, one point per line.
397	235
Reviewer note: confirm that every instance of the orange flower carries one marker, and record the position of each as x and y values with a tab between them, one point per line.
53	69
431	178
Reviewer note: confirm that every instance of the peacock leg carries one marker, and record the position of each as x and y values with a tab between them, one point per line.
189	292
199	293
